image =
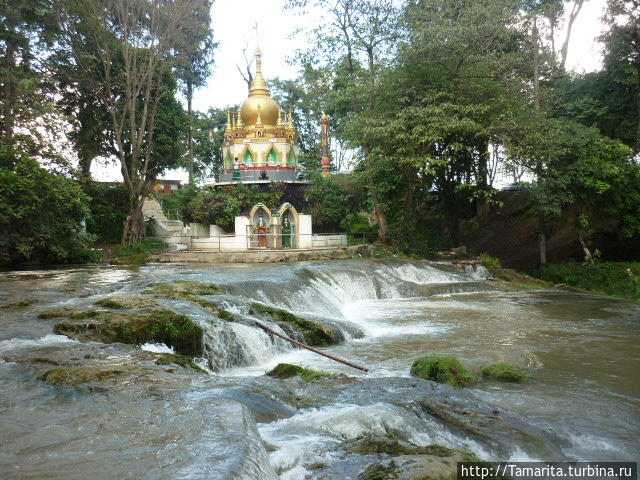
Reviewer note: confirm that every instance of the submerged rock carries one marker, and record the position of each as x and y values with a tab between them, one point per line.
506	372
177	359
77	376
157	326
441	465
443	369
314	333
181	288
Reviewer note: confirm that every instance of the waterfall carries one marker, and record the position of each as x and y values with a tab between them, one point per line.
330	294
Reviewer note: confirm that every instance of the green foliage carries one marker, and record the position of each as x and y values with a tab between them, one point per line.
620	279
335	203
443	369
41	214
109	205
488	261
138	253
506	372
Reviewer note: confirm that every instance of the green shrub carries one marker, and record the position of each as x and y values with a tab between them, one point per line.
506	372
109	204
488	261
443	369
620	279
41	214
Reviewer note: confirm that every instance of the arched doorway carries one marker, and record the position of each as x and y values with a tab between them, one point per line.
289	221
260	234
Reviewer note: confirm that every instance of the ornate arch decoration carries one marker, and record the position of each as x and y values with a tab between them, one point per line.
292	161
248	154
288	207
273	156
228	159
257	208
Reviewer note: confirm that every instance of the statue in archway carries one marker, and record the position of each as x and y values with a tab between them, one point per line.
261	228
286	233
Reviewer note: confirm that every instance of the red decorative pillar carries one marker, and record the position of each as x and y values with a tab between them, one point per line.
324	133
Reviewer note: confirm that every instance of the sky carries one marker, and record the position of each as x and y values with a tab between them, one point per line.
234	23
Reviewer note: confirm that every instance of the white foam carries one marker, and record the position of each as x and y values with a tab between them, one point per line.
47	340
157	348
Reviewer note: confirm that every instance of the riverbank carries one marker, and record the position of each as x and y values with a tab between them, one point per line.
261	256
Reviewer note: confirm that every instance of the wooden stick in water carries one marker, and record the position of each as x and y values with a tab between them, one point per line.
284	337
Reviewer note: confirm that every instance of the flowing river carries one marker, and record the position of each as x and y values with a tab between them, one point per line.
581	350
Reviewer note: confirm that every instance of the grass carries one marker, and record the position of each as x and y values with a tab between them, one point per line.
138	253
488	261
619	279
506	372
443	369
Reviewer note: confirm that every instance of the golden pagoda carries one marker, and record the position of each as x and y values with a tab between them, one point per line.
260	141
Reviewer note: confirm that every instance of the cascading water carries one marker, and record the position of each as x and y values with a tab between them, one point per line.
580	349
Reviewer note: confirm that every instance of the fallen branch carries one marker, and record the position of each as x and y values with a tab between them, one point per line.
295	342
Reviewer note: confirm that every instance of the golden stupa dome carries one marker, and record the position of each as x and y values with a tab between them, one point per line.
259	104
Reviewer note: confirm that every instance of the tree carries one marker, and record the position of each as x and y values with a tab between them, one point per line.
622	64
194	66
146	36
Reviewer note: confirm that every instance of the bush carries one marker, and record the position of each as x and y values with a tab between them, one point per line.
506	372
41	214
109	205
620	279
488	261
443	369
138	253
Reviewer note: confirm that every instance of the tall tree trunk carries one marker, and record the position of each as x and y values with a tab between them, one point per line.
542	240
190	134
85	161
134	225
542	234
575	10
383	226
409	196
482	204
9	93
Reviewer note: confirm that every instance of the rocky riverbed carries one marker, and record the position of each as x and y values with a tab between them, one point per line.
159	372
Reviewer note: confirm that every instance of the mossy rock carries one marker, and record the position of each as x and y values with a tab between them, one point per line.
128	302
370	445
182	288
77	376
19	304
283	371
175	330
506	372
425	466
220	312
314	334
177	359
443	369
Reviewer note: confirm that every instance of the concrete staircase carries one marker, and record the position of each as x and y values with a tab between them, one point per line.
171	231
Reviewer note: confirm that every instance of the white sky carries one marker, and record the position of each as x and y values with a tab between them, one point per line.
233	25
